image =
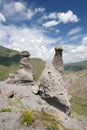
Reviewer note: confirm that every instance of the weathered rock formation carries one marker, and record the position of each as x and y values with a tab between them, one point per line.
57	60
52	89
51	83
25	73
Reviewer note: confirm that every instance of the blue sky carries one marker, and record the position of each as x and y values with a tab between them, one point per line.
39	25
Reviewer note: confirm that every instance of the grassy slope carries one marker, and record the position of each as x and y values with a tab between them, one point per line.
38	66
40	118
78	90
76	66
9	63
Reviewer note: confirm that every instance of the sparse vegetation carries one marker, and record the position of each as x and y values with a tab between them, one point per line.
72	67
79	105
27	118
48	121
38	66
5	110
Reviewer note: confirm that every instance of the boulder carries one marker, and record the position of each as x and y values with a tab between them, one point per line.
35	89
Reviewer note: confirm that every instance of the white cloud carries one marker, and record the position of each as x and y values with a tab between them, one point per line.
57	31
64	17
75	53
32	39
19	7
57	18
52	15
39	45
67	17
50	23
2	18
17	11
84	40
74	31
40	9
30	13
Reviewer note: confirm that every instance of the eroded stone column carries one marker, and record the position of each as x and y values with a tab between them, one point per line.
24	62
57	60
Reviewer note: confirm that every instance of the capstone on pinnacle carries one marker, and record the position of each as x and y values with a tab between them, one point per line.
57	60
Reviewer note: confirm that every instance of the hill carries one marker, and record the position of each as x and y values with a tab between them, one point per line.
75	66
9	63
78	90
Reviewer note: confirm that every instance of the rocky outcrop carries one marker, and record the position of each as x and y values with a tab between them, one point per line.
25	73
57	60
52	89
51	83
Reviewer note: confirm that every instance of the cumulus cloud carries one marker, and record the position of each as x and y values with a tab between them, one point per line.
2	18
64	17
74	31
19	6
67	17
50	23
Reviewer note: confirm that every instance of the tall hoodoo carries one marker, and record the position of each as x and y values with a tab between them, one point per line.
24	62
25	73
57	60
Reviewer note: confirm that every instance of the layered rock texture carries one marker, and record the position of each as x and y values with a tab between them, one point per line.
25	73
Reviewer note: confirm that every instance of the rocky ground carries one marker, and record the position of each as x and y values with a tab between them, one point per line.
20	97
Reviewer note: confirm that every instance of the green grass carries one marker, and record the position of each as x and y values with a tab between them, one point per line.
79	105
41	117
5	52
5	110
27	118
5	71
72	67
38	66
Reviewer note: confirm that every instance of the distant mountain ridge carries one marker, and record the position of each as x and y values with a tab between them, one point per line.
76	66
